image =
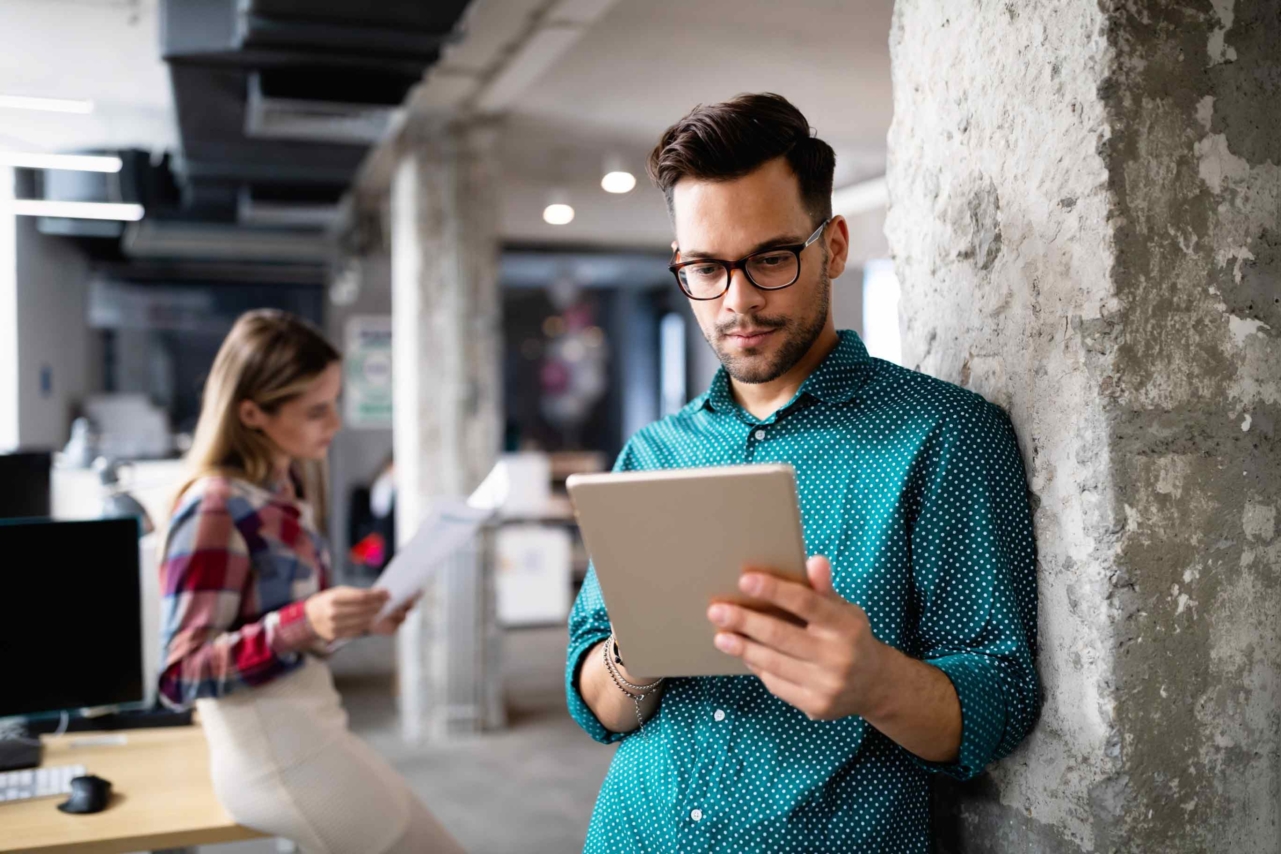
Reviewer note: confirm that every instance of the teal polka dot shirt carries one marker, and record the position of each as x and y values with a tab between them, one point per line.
914	488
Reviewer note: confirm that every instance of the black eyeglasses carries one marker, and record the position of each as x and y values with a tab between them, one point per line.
770	270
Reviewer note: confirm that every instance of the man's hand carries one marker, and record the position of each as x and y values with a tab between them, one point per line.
832	666
829	668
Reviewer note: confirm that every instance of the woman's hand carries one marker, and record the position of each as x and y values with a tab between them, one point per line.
390	623
343	612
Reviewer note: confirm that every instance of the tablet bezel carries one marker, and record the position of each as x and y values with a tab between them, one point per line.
667	543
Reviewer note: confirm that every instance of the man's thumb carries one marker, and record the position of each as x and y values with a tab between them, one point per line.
819	570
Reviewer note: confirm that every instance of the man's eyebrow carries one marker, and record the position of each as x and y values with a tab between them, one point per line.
772	243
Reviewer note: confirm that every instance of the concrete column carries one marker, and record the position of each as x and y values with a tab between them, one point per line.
447	424
1086	220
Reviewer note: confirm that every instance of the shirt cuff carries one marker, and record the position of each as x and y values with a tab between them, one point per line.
293	631
578	708
977	681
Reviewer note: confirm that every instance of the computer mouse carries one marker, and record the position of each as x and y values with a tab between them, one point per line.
88	795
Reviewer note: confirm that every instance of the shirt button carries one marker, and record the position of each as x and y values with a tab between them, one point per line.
760	435
718	716
697	815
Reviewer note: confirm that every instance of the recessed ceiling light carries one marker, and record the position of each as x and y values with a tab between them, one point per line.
618	182
558	214
77	210
69	162
48	105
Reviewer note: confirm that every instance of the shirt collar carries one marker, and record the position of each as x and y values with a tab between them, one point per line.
836	379
839	376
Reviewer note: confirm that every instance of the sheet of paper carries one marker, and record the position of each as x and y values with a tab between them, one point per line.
449	525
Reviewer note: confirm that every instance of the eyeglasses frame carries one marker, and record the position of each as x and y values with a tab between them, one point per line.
741	264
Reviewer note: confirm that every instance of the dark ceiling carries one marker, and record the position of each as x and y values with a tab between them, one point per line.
277	103
279	100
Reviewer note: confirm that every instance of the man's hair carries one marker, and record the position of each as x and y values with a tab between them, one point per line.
724	141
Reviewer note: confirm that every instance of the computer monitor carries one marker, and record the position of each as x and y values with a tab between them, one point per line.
71	630
25	477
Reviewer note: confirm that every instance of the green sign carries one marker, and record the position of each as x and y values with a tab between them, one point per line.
367	389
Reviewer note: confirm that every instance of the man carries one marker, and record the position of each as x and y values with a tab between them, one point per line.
916	644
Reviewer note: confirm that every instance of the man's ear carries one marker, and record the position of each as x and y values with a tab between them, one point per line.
250	415
838	246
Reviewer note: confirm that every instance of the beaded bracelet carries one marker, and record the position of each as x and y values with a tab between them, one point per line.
637	693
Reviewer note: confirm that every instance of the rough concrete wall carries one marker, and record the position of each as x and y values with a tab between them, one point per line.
998	224
1085	220
1194	171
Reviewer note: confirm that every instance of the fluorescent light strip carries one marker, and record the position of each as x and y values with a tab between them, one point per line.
78	210
48	105
68	162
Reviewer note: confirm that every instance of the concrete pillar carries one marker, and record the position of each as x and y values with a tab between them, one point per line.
447	423
1086	220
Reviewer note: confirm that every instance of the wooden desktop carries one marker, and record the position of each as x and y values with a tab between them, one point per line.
162	797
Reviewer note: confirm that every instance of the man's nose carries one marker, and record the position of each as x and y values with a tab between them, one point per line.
743	297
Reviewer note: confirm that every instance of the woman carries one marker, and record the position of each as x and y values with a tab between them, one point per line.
247	617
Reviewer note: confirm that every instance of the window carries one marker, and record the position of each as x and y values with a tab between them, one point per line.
880	311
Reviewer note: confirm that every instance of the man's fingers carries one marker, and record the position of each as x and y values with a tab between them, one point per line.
762	658
811	606
819	570
789	692
769	630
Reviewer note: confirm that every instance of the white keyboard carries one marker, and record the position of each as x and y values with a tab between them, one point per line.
43	782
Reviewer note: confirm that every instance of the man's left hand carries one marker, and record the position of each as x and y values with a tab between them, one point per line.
830	667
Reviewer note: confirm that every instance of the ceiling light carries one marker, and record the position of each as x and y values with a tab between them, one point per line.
558	214
77	210
69	162
618	178
48	105
618	182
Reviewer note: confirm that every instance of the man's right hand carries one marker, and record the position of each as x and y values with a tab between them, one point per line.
343	612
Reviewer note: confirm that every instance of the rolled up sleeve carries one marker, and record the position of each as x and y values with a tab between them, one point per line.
589	625
974	580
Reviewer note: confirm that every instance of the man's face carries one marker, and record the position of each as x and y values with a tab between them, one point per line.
758	335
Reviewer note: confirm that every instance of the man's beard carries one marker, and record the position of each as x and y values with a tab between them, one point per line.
798	336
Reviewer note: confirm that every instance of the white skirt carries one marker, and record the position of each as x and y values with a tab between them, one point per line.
284	763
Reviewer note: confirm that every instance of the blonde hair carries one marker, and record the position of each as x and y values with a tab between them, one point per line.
268	357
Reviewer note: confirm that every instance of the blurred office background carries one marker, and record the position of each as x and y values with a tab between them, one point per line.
236	154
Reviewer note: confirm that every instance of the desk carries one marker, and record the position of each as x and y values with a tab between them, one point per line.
162	797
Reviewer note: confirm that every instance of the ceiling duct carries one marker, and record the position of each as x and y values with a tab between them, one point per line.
292	213
297	104
277	104
173	239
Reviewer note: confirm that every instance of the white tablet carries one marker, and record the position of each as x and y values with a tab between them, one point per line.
666	544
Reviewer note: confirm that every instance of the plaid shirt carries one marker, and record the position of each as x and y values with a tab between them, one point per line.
238	562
